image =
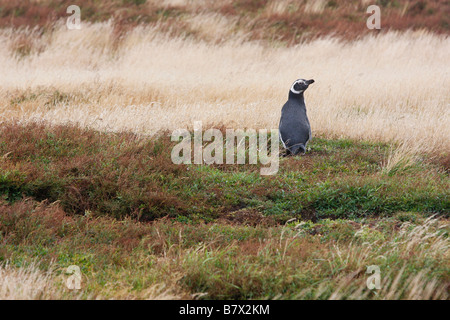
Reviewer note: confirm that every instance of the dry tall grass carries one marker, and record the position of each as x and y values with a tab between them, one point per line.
392	87
28	283
423	240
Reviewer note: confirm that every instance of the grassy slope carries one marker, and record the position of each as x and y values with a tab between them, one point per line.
225	230
122	175
327	259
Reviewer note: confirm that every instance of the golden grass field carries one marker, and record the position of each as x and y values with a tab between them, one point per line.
392	87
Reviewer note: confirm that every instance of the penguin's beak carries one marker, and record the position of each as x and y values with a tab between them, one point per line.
310	82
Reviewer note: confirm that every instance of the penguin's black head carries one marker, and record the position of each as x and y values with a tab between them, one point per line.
300	85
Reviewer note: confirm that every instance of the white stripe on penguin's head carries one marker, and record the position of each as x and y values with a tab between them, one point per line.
299	81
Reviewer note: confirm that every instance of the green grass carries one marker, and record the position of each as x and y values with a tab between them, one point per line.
123	175
124	258
116	206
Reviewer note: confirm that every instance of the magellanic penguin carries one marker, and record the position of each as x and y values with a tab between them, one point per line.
295	130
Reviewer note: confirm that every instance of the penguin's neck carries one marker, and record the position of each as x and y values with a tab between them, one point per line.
298	97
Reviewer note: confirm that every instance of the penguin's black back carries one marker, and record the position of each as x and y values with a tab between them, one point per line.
295	130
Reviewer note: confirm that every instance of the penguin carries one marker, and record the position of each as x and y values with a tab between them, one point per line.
295	130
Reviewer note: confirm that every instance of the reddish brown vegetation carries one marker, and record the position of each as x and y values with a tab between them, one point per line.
65	164
343	18
123	175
